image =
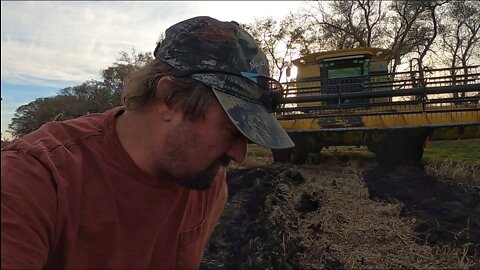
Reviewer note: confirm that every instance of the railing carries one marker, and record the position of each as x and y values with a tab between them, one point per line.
440	89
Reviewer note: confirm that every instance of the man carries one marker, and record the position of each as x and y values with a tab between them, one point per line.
142	185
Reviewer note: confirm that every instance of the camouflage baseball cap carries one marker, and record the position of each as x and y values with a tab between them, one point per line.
226	58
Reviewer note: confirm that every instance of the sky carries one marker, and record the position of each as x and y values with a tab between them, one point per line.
48	46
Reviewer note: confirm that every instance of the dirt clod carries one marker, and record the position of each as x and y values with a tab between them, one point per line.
308	203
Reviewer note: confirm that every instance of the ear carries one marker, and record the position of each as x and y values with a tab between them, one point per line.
163	83
166	112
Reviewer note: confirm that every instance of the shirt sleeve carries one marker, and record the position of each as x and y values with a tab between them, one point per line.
28	210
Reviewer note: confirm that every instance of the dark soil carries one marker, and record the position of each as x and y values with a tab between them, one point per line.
446	212
344	216
249	235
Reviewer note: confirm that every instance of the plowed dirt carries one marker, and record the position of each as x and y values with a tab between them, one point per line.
346	215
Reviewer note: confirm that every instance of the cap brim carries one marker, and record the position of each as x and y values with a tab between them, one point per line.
254	121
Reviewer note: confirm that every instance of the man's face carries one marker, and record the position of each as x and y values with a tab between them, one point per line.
199	148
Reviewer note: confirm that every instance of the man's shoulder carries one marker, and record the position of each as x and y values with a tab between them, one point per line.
66	133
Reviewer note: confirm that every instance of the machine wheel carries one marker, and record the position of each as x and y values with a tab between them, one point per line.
394	152
300	152
282	155
413	153
304	145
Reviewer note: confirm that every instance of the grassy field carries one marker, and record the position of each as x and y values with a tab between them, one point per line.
460	151
456	160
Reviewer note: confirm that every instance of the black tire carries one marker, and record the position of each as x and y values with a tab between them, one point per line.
393	153
300	152
282	155
417	154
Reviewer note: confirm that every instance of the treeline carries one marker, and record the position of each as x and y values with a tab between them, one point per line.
422	34
90	97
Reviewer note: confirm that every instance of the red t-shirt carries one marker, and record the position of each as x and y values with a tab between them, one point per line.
73	198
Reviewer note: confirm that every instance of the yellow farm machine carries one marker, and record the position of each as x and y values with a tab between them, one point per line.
348	97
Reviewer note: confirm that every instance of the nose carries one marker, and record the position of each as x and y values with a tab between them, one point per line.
238	149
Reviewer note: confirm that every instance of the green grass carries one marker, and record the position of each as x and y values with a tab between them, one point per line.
258	151
459	151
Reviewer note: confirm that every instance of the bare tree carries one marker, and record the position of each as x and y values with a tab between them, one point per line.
405	29
348	24
459	31
402	26
279	40
429	31
115	75
410	29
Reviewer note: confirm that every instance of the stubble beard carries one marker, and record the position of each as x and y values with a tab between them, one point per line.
204	179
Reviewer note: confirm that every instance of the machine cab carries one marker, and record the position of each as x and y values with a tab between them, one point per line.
345	71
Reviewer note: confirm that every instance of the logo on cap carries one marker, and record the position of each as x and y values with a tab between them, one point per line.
217	32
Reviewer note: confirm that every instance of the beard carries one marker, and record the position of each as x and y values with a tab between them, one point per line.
205	178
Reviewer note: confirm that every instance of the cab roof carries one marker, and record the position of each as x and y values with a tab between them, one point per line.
375	54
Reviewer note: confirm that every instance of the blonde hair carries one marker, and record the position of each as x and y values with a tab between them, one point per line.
191	96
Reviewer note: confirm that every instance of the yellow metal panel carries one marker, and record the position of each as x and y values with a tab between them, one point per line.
416	119
393	120
373	121
440	118
385	121
378	66
308	71
466	116
300	124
